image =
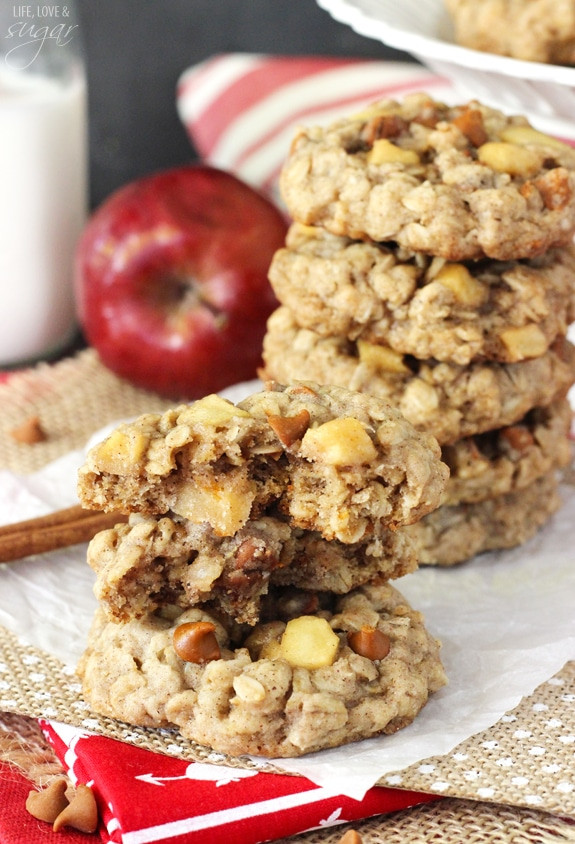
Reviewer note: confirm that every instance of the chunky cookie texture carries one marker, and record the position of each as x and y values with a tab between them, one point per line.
427	307
447	400
530	30
158	561
319	672
459	182
511	458
455	533
325	459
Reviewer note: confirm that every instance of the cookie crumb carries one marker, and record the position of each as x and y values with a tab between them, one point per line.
29	432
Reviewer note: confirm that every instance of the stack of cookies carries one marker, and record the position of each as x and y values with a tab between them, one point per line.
247	599
431	264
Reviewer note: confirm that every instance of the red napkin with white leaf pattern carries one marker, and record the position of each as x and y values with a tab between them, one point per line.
148	797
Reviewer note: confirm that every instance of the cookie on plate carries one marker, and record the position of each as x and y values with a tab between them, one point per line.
460	182
456	533
321	671
446	400
530	30
422	306
509	459
156	561
327	459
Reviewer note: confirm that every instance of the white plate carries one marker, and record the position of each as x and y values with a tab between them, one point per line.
544	92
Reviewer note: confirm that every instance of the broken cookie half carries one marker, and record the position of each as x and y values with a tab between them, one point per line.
327	458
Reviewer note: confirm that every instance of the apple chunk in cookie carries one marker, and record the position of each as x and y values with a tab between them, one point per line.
319	671
325	459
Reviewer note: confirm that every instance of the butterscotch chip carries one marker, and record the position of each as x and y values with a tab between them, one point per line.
380	295
530	30
447	183
247	702
447	400
155	562
350	461
456	533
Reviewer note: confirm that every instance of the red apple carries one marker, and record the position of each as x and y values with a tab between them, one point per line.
171	280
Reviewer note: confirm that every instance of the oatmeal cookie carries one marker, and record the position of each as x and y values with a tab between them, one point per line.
511	458
530	30
155	561
447	400
269	691
426	307
460	182
454	534
326	458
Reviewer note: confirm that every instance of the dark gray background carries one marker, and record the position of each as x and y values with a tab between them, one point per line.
136	49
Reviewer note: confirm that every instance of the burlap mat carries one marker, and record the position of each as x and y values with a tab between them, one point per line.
71	399
520	769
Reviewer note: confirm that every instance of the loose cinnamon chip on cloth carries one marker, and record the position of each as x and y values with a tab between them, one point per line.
29	432
16	824
45	804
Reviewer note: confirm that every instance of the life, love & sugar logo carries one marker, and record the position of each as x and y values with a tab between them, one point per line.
33	27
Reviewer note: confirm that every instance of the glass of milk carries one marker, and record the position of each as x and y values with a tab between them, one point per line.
43	177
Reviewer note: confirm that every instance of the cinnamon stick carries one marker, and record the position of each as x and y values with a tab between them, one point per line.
60	529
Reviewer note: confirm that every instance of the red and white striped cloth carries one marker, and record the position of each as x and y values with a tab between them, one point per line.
241	110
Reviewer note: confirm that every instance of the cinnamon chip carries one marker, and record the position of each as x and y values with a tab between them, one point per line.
29	432
350	837
470	124
81	813
195	641
369	642
290	429
64	807
518	436
47	804
384	126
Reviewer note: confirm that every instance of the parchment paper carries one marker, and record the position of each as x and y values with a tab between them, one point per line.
506	621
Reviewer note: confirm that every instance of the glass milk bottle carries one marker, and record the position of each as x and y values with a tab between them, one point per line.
43	177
